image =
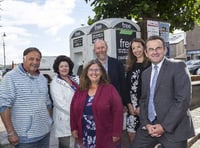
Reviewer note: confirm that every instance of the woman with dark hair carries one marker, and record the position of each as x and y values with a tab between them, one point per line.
136	63
62	89
96	114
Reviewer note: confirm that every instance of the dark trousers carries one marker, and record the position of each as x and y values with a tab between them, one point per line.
144	140
66	142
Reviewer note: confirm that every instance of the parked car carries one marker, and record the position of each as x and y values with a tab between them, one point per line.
198	71
1	75
193	66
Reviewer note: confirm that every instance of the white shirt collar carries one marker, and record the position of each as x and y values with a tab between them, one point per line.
158	64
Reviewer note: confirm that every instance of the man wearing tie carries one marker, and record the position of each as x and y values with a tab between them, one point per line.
165	100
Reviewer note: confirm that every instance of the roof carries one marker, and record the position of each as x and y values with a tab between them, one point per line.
177	37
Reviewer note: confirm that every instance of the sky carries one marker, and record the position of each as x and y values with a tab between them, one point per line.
45	24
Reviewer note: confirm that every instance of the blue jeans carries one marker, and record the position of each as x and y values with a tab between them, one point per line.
43	143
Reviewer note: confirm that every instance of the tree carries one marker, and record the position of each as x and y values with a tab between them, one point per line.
181	14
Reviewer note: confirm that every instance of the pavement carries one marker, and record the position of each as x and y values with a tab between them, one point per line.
193	142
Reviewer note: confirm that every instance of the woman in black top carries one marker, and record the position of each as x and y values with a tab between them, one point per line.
136	63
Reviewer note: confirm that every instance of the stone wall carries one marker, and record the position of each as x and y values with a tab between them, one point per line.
195	102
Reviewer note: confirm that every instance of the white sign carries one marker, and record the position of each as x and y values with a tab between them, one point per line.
152	28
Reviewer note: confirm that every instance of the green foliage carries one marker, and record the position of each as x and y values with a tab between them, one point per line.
181	14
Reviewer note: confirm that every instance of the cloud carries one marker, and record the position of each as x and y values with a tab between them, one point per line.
31	23
45	24
52	15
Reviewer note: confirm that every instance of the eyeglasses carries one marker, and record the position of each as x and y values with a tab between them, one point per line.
94	70
155	49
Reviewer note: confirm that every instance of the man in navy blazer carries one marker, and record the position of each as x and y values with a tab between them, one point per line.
116	73
114	67
172	124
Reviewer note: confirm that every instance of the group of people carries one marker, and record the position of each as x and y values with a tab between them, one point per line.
88	111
